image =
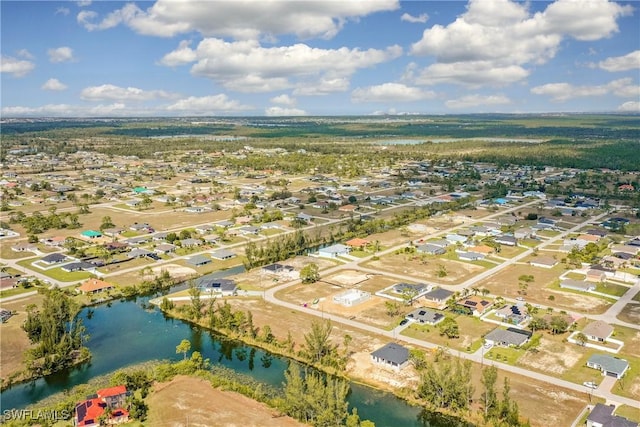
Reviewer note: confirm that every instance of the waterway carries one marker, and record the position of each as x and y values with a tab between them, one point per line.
124	333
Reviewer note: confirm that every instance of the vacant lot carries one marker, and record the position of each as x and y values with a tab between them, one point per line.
506	283
187	401
471	330
13	340
552	356
432	269
630	313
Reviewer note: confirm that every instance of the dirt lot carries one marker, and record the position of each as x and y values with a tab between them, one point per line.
13	340
630	313
426	267
257	279
552	357
506	283
187	401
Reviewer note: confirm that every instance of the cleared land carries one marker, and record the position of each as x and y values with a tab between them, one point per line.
188	401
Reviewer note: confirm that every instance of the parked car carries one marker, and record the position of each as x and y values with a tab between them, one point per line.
590	384
404	322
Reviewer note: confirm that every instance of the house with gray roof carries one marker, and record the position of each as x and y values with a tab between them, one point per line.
224	287
608	365
425	316
391	355
438	295
578	285
199	260
137	253
334	251
223	254
54	258
507	337
602	416
430	249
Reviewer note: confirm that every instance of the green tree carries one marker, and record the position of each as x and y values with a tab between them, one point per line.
449	328
196	302
310	273
488	380
183	347
318	345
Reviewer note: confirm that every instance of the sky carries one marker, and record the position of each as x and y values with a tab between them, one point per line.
317	57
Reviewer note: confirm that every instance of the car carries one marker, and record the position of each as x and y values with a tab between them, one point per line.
404	322
590	384
519	299
488	345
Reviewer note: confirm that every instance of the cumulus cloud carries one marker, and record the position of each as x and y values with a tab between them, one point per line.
422	18
502	36
630	106
60	54
66	110
227	18
627	62
560	92
116	93
390	92
16	67
212	104
476	100
283	99
246	66
62	11
281	111
83	3
53	84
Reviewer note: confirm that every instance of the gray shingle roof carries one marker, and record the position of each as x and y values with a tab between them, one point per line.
392	353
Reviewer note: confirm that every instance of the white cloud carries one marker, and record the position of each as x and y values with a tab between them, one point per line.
240	20
66	110
62	11
390	92
60	54
502	36
280	111
422	18
24	53
627	62
246	66
116	93
83	3
630	106
283	99
476	100
560	92
14	66
53	84
208	105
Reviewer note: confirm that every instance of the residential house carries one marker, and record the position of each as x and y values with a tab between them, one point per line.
222	254
602	416
577	285
199	260
91	234
164	248
304	217
334	251
391	355
470	256
190	243
511	337
516	314
5	315
54	258
594	275
456	238
249	229
24	247
116	246
425	316
224	287
55	241
524	233
278	269
506	240
598	331
475	304
94	286
111	401
204	229
543	262
430	249
439	296
608	365
357	243
79	266
138	253
351	297
141	227
113	232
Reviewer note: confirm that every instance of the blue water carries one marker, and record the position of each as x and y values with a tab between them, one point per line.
129	332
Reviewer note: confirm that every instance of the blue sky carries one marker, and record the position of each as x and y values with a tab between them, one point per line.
324	57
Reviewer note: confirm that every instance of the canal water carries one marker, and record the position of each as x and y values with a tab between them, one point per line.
129	332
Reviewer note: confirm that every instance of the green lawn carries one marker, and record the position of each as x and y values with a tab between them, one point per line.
64	276
629	412
504	355
611	289
471	330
